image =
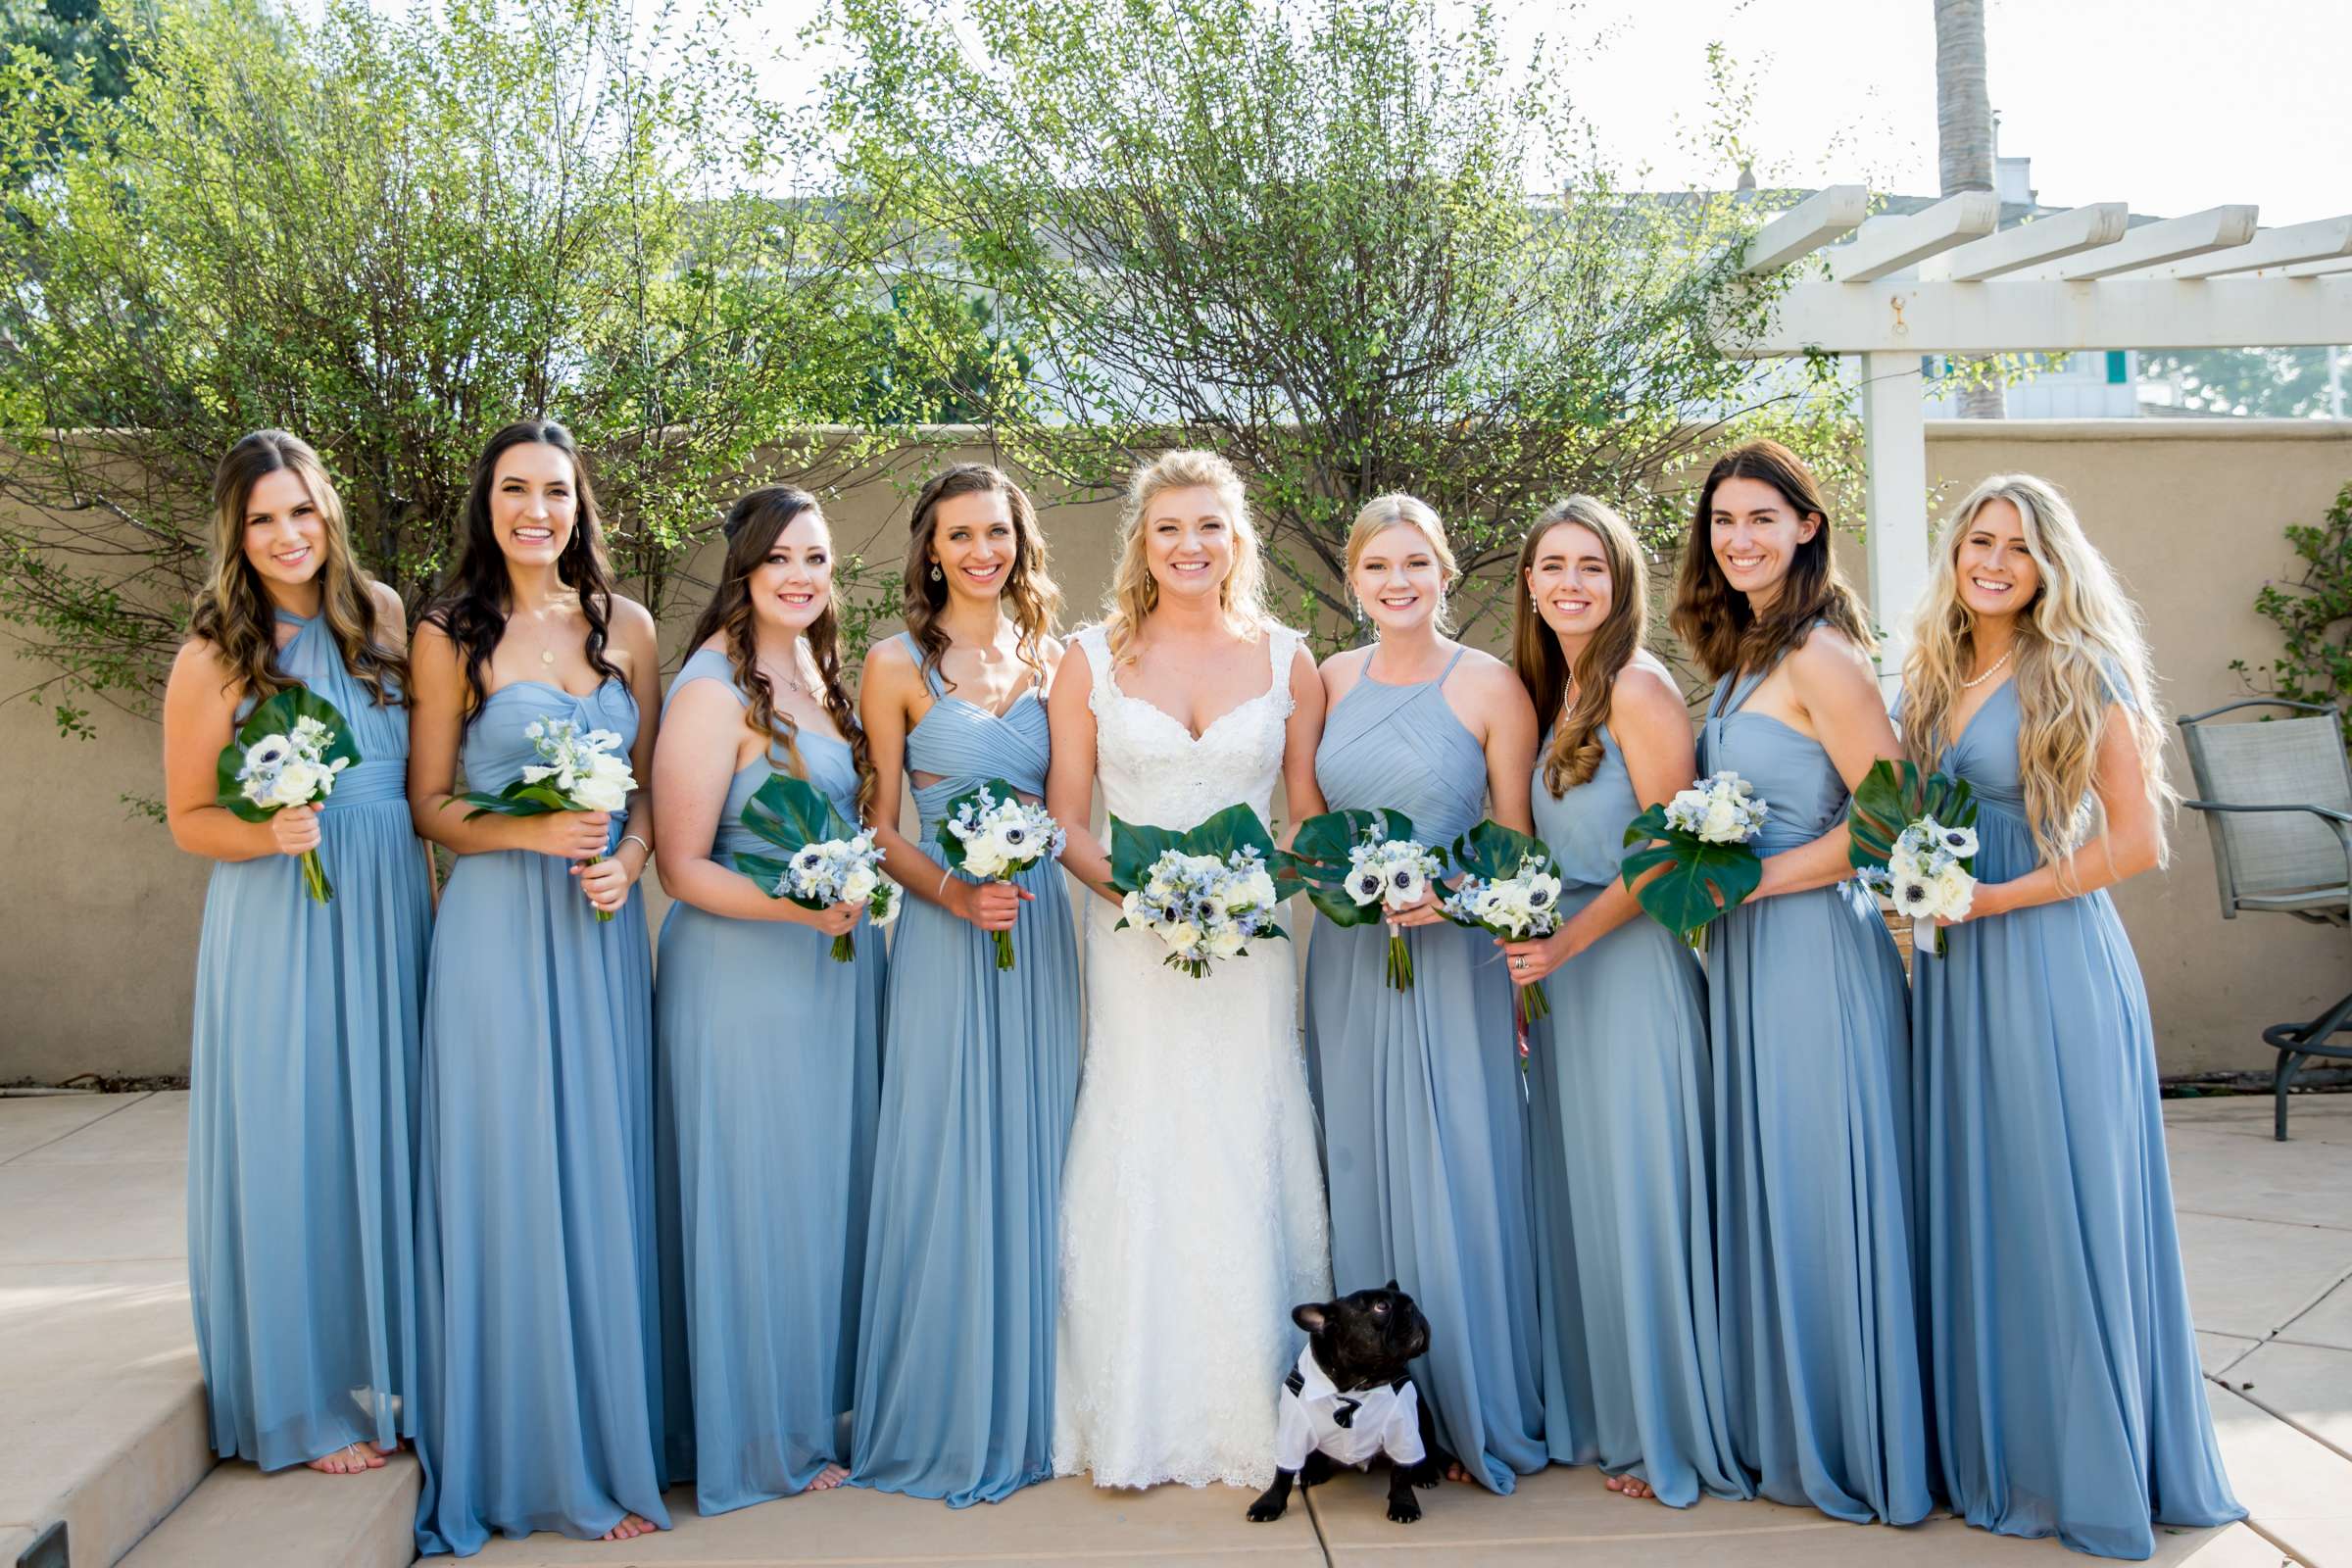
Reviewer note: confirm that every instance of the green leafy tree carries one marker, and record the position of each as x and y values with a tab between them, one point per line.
393	236
2277	383
2313	616
1356	248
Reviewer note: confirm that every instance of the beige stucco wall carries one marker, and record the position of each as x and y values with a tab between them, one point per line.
99	915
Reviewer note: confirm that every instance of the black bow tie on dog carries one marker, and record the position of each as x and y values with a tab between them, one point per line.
1343	1412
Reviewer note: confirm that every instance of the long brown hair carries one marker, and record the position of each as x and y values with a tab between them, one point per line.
1576	750
752	526
1029	592
233	611
1715	620
472	606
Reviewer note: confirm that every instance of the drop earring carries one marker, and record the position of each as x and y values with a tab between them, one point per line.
936	574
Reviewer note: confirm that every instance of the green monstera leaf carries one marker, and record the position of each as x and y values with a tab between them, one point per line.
1893	796
1317	860
1703	882
789	813
276	716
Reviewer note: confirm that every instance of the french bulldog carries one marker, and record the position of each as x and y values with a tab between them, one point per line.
1350	1400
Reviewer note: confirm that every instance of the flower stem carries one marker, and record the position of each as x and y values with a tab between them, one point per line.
314	878
1401	962
1532	1003
603	917
844	947
1003	949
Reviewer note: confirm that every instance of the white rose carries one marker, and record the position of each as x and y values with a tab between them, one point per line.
858	885
1721	825
1181	937
1955	890
1131	905
1226	941
601	794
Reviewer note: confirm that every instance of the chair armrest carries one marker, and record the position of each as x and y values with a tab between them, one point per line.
2255	702
2341	822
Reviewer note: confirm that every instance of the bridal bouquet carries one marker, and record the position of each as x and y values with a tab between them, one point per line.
1510	887
287	753
1914	839
993	833
826	861
576	771
1356	866
1703	835
1206	894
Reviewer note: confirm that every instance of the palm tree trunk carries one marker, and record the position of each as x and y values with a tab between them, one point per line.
1964	140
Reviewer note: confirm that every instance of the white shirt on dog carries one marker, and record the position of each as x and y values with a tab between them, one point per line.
1349	1428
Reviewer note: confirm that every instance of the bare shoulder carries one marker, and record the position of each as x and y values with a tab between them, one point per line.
199	663
391	616
1828	651
1484	672
631	618
1645	697
889	660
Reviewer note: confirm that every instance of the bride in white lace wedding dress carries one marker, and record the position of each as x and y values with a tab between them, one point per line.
1193	1215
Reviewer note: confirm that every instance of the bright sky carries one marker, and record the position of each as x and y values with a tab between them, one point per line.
2170	104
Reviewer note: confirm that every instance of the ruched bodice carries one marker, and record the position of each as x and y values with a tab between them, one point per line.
1584	827
381	733
962	744
830	766
497	748
1790	772
1402	747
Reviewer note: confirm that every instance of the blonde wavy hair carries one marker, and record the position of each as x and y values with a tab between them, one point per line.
2079	648
1135	592
1382	512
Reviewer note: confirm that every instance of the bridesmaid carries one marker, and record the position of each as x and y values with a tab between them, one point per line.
2068	1396
1618	1076
1807	1016
304	1062
534	1224
1424	1116
770	1068
955	1356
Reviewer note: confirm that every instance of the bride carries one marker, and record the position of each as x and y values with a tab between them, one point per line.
1193	1214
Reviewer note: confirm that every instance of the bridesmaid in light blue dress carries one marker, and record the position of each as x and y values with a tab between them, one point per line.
1619	1075
770	1065
537	1311
956	1358
303	1073
1424	1111
1807	1018
2068	1396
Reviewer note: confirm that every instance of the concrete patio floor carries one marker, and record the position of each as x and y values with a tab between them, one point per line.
102	1415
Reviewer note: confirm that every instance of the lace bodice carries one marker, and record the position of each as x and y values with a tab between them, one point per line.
1154	771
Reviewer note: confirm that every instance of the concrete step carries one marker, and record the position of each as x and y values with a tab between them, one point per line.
105	1424
296	1518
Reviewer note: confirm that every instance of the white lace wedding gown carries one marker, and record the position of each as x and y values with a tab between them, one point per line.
1193	1215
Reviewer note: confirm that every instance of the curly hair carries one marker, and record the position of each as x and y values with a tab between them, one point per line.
1544	671
1029	592
751	528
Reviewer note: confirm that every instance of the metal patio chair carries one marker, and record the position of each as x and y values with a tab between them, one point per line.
2278	800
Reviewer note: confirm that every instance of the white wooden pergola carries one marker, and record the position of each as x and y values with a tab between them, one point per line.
1948	280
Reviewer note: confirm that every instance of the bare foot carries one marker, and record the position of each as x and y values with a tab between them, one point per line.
349	1460
1455	1472
630	1527
1631	1485
828	1478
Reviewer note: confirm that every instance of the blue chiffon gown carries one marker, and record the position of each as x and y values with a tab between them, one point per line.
1619	1100
302	1110
955	1359
1808	1019
1424	1112
769	1074
536	1302
2066	1390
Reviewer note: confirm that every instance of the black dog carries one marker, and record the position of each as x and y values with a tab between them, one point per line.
1349	1398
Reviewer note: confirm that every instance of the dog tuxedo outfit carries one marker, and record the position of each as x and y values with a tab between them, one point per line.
1350	1429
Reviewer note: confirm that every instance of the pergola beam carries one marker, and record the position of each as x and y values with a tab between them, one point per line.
1890	244
2066	233
1828	213
1978	320
2217	228
2271	248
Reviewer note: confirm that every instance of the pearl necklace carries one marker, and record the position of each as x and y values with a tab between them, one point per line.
1970	685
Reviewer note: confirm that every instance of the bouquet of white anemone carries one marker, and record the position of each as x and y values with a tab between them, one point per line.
1510	887
287	753
1701	836
576	771
1206	894
1913	837
991	833
1357	866
827	861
